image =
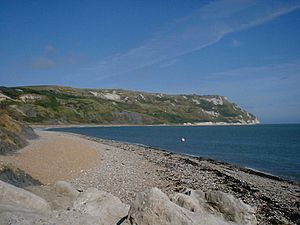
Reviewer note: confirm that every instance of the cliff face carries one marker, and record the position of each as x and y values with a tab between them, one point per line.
65	105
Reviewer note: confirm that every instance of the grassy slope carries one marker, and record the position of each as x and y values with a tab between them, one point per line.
54	104
13	134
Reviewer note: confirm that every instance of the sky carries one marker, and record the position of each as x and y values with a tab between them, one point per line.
246	50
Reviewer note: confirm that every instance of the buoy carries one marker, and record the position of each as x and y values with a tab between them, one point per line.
183	139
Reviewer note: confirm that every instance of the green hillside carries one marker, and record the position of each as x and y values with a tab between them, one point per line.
13	134
65	105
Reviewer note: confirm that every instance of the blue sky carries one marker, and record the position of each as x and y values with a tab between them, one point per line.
246	50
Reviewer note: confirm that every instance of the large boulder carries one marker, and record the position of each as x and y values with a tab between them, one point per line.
57	200
55	217
94	207
65	188
11	196
153	207
19	217
217	203
106	207
187	202
231	208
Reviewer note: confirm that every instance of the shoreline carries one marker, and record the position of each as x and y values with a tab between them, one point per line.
45	126
276	199
126	169
215	161
240	167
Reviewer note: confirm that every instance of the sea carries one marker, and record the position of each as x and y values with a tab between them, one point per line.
273	149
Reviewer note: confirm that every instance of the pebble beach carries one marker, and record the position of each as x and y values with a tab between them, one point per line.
124	169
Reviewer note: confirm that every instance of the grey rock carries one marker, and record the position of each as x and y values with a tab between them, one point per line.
19	217
14	196
106	207
217	203
153	207
66	188
57	201
231	208
187	202
92	207
55	217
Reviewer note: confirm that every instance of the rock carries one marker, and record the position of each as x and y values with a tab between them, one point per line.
66	188
12	196
153	207
106	207
15	176
91	207
232	209
20	217
187	202
56	217
56	200
217	203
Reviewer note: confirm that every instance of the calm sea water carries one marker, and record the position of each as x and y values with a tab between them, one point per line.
270	148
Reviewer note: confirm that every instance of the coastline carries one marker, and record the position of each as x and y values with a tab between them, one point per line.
242	168
245	168
45	126
125	169
276	198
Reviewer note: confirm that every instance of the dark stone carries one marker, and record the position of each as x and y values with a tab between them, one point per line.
17	177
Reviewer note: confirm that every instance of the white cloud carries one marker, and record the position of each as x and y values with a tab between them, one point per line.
42	63
271	91
50	49
168	63
281	71
204	27
236	43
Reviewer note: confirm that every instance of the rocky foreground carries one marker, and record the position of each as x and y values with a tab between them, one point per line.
128	169
62	204
127	186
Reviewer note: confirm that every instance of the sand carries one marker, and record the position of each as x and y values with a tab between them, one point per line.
124	169
55	156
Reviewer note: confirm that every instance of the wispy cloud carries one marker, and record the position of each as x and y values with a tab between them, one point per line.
42	63
281	71
271	91
258	85
204	27
236	43
168	63
50	49
49	61
252	85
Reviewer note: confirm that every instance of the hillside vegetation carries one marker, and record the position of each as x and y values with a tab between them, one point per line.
65	105
13	134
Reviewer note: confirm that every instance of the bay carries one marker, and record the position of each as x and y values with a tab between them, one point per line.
273	149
